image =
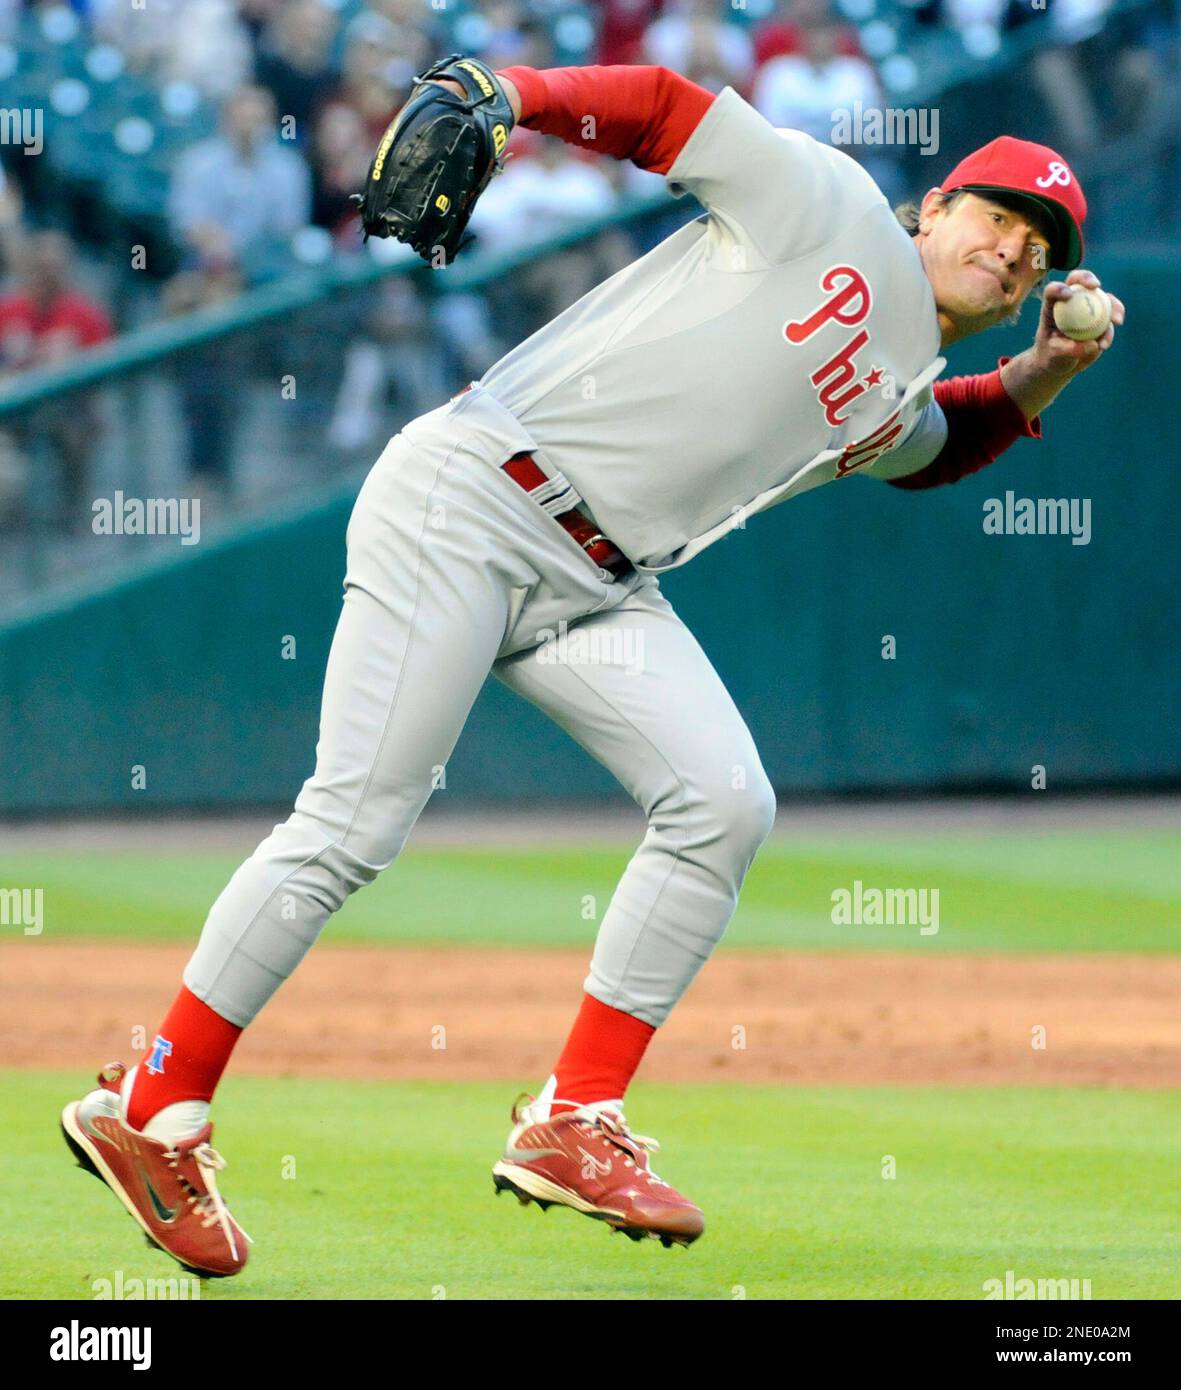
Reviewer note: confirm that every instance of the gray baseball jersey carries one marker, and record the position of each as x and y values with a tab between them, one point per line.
787	339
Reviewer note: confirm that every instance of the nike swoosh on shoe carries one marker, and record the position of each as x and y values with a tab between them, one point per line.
163	1213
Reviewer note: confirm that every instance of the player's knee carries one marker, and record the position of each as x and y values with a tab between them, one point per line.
329	865
724	818
351	870
747	813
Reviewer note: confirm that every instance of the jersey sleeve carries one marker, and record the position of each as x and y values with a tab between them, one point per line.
981	421
920	447
780	190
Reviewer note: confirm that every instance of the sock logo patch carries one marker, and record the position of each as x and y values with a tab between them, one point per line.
161	1048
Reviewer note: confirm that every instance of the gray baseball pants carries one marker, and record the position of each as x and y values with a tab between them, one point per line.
454	572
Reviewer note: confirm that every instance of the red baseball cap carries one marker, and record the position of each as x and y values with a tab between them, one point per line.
1037	173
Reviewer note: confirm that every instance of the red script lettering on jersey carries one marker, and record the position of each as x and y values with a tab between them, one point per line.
871	448
838	381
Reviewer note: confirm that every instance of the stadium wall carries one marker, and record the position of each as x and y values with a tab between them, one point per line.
1011	650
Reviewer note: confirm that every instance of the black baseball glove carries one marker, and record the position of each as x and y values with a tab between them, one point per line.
435	160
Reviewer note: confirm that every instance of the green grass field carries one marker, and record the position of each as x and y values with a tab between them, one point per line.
392	1195
1115	890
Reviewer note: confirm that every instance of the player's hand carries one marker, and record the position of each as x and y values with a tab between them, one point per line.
1054	353
510	91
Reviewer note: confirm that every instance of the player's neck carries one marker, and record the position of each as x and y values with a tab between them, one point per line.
949	330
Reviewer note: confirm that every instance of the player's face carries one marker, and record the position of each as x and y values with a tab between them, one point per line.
982	259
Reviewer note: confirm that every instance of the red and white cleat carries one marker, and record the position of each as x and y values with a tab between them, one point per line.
589	1160
169	1187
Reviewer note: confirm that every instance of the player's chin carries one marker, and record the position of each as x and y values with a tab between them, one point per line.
970	318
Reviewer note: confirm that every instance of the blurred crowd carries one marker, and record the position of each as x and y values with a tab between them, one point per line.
302	90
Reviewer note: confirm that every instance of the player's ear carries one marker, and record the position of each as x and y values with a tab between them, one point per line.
930	209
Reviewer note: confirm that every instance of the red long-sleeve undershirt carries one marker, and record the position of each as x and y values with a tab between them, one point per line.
982	421
646	114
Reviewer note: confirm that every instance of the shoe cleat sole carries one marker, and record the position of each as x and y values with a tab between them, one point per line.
501	1183
81	1157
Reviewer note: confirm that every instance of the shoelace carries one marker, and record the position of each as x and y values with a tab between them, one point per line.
209	1203
612	1124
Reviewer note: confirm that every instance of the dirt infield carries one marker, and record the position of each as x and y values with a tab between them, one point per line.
455	1014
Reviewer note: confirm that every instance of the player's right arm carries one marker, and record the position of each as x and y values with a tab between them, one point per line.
970	422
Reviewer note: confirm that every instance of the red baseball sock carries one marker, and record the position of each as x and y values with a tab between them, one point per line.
602	1053
185	1060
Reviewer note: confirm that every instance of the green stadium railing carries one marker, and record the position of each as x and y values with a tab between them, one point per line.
303	325
269	304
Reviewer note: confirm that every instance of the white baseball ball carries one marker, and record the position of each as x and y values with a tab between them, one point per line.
1084	316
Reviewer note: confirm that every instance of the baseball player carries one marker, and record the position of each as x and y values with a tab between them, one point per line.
788	338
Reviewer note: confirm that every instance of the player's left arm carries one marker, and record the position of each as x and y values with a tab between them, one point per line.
645	114
778	193
987	413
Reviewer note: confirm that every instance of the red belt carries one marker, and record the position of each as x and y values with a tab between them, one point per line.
526	474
